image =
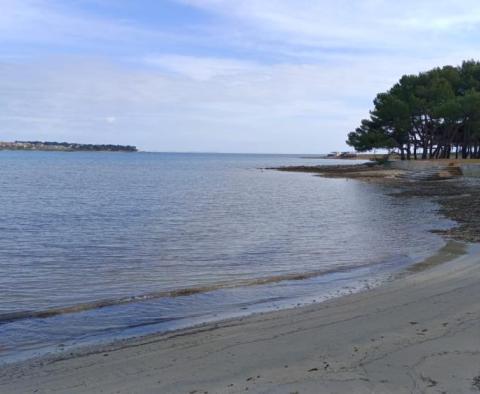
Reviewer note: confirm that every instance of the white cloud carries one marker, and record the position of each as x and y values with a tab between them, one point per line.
55	23
344	23
201	68
281	108
270	75
170	112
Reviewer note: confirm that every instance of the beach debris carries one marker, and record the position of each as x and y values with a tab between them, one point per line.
476	382
430	382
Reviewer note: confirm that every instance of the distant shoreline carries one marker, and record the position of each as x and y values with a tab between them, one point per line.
64	147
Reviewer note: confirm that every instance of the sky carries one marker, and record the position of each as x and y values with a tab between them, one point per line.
256	76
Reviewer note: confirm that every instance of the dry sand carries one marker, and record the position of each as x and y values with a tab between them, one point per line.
417	334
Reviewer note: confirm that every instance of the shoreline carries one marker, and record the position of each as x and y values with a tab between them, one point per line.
455	194
395	317
295	288
350	281
200	358
343	281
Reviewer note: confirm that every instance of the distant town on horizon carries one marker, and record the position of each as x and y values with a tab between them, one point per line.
65	146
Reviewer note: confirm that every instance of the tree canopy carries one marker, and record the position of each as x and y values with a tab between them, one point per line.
432	115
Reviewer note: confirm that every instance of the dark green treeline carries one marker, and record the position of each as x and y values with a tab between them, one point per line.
432	115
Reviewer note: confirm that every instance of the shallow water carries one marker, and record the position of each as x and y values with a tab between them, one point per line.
96	246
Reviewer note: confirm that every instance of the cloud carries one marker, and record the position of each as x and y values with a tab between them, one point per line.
251	76
160	111
243	108
56	25
349	24
201	68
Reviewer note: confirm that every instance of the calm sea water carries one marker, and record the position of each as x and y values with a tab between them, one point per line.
98	246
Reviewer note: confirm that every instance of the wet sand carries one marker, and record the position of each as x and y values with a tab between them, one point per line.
419	333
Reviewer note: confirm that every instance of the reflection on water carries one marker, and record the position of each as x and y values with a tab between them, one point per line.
122	231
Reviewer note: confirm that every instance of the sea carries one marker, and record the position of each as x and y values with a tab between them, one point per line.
99	247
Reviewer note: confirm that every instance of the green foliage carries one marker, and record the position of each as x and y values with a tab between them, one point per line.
368	136
431	114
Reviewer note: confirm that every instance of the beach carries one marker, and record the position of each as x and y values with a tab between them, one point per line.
212	196
419	333
198	238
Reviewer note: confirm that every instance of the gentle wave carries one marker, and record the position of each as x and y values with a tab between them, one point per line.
181	292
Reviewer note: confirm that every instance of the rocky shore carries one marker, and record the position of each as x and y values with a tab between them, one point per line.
356	171
456	195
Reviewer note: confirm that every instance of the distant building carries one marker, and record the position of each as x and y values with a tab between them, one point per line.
342	155
333	154
64	146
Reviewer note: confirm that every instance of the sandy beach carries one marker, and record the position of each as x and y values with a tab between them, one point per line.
225	197
417	334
